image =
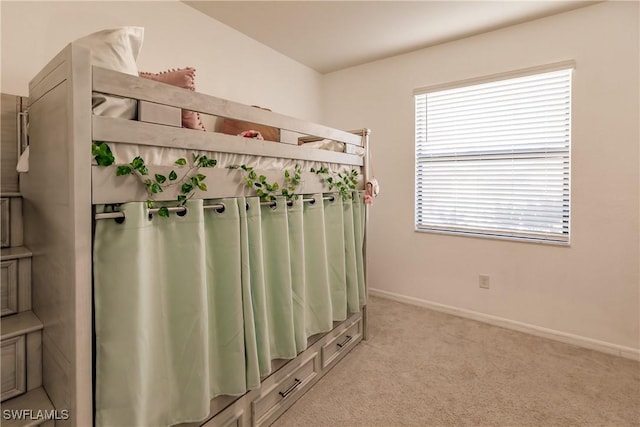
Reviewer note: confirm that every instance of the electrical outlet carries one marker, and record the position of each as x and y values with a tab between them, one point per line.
484	281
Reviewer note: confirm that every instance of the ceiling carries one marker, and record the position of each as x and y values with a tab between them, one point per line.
331	35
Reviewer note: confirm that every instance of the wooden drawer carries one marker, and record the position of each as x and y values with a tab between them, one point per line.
5	221
13	367
233	416
341	342
11	221
284	391
9	287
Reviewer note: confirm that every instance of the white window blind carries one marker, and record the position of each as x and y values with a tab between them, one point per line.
493	159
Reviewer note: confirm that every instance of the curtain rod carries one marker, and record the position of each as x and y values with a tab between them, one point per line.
218	206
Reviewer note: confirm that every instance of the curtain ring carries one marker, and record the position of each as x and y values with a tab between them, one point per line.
182	213
223	208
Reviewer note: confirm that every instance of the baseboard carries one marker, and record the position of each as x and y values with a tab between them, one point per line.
602	346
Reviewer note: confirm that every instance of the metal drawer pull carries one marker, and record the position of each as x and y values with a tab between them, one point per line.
345	342
288	391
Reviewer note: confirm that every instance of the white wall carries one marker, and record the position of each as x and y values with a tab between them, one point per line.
229	64
589	290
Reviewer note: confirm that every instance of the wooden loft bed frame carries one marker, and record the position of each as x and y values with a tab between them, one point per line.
62	187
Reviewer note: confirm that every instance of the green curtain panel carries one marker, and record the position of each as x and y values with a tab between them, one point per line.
350	257
151	319
274	228
194	306
318	308
335	241
298	288
233	358
253	274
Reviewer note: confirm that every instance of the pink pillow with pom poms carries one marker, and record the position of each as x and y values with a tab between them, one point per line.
186	79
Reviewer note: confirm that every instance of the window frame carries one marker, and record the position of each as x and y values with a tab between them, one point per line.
545	238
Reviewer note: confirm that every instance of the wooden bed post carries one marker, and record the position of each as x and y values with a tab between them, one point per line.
366	172
57	213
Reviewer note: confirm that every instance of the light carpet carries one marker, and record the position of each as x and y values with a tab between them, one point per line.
425	368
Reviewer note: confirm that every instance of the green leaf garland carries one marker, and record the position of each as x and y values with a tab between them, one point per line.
190	181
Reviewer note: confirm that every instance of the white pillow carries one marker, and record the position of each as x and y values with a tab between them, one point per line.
115	49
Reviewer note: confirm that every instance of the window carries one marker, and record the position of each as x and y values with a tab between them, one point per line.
493	158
